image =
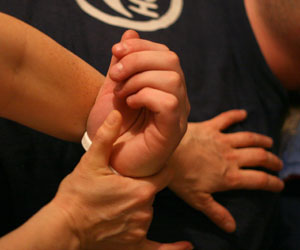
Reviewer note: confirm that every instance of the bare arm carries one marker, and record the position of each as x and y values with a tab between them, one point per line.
42	84
89	212
276	27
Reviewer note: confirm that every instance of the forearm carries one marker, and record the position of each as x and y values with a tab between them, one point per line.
46	230
43	85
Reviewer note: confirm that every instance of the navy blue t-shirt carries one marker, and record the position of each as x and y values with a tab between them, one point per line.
224	70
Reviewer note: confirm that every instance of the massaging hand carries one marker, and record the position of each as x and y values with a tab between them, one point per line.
146	84
108	211
209	161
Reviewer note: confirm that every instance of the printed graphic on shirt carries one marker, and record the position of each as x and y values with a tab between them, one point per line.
140	15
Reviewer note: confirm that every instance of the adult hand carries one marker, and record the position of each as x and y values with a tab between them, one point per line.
209	161
108	211
149	83
106	100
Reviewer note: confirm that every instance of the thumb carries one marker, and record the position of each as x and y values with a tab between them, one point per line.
180	245
100	150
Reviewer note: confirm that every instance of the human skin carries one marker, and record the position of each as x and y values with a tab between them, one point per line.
43	85
149	87
55	91
209	161
276	25
195	184
94	208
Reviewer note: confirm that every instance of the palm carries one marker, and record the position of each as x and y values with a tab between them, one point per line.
105	103
142	149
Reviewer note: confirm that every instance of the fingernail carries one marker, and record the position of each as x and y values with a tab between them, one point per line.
117	68
112	118
120	47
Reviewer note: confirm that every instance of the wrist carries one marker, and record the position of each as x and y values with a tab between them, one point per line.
48	229
61	229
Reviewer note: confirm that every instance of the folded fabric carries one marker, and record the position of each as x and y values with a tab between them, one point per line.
291	155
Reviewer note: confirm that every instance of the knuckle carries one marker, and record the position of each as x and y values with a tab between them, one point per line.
250	137
175	79
101	135
230	156
173	58
232	178
144	195
129	62
262	155
129	44
164	47
263	180
171	103
135	236
144	92
146	216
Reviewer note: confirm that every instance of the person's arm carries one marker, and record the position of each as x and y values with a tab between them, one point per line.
43	85
146	84
276	27
94	208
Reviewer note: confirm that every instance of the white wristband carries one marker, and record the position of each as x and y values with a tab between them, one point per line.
86	143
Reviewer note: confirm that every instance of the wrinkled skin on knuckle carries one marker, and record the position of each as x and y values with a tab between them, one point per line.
232	179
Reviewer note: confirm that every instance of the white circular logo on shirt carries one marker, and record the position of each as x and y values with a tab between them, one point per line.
141	15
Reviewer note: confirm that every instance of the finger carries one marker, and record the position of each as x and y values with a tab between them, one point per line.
103	141
167	81
217	213
165	106
144	61
228	118
257	157
152	245
256	180
248	139
134	44
129	34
